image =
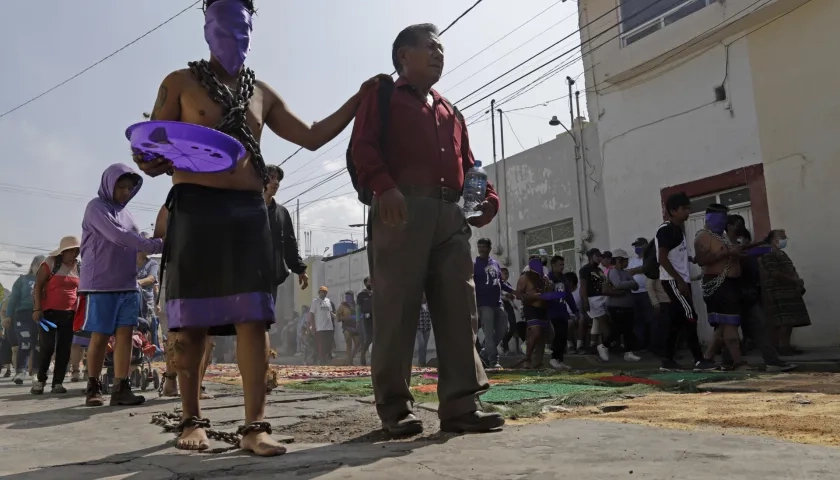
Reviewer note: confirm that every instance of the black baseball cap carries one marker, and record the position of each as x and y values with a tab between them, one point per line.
640	242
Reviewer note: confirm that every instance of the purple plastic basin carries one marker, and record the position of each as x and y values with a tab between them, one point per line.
190	147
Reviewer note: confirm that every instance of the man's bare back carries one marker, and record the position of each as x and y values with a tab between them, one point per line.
707	245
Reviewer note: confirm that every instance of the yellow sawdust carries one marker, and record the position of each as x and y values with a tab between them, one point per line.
778	415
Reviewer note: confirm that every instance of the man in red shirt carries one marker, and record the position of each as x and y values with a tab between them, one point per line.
420	239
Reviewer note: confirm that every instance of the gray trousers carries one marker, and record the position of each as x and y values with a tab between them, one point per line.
430	253
494	323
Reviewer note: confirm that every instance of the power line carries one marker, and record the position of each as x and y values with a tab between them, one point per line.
324	197
504	37
100	61
514	132
559	56
563	54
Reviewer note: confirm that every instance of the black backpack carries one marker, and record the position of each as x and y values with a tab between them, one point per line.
384	92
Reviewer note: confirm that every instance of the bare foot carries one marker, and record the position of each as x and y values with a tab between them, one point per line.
261	444
206	396
170	388
193	438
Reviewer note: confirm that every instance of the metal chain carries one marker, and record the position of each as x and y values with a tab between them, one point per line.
235	105
171	423
710	287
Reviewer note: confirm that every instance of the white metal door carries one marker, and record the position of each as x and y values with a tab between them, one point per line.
694	225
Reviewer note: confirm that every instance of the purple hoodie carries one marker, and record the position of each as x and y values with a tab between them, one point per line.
111	239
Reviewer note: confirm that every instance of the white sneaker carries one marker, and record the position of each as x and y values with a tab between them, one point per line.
604	353
19	378
631	357
558	365
497	365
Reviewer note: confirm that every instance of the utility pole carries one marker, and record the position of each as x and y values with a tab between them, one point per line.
502	185
297	214
493	127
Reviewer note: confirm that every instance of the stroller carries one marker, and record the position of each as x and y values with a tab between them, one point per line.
142	373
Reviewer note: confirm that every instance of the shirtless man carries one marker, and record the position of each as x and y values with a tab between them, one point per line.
217	270
719	258
531	287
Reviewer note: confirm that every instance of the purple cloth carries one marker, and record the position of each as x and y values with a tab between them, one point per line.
111	239
487	274
559	298
227	30
220	311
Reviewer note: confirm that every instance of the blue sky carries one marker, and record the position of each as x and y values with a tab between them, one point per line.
315	53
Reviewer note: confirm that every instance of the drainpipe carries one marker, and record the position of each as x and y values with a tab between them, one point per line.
579	167
503	189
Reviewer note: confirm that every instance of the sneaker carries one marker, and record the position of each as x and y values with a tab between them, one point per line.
37	388
631	357
75	376
497	365
705	366
19	378
670	366
780	367
558	365
93	393
8	373
122	395
58	388
604	353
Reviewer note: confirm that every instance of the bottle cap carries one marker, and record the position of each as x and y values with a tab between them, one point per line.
478	163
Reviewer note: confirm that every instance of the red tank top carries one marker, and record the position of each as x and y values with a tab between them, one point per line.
61	290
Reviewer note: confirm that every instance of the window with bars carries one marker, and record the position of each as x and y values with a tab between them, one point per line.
555	239
640	18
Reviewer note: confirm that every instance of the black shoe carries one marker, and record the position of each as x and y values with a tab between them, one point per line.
406	426
8	373
779	367
670	366
58	388
122	395
705	365
473	422
93	393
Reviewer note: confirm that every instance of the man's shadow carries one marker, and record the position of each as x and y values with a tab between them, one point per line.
311	463
58	416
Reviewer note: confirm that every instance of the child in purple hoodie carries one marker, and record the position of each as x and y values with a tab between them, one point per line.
110	242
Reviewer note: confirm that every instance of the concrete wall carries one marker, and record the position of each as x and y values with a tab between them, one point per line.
798	109
541	186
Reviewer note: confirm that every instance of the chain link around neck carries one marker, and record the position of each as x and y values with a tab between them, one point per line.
235	105
712	286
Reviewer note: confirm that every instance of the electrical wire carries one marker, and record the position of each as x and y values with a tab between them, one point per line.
514	132
103	59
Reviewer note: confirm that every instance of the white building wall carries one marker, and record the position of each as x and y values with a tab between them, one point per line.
669	130
543	187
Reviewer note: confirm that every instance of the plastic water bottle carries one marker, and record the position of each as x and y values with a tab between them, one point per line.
475	190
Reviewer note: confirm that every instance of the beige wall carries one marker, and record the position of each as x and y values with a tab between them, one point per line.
796	72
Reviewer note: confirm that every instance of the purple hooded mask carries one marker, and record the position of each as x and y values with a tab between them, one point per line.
227	30
535	265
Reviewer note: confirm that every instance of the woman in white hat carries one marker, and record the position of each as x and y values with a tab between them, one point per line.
54	298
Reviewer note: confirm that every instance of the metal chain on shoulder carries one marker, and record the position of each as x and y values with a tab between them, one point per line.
235	105
712	286
172	423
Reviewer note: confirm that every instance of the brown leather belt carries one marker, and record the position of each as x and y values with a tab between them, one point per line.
445	194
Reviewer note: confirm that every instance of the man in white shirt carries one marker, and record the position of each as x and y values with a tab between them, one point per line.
641	301
321	315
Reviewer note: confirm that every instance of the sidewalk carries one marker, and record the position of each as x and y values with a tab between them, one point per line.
55	437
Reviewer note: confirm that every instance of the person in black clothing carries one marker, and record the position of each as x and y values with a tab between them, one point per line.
674	274
507	303
286	254
364	302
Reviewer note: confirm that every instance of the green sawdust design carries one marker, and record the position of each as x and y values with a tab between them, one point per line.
519	393
360	387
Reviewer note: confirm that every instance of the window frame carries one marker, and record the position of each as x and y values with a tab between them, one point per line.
660	20
569	254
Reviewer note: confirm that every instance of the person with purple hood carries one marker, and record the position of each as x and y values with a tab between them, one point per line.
110	242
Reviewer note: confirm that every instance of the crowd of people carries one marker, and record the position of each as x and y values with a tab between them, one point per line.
632	303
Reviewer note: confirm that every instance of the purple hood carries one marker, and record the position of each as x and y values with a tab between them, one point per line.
111	239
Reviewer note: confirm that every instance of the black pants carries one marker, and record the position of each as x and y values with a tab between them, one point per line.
622	321
28	333
57	340
561	335
683	318
512	330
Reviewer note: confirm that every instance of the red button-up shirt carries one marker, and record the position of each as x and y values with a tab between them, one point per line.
425	145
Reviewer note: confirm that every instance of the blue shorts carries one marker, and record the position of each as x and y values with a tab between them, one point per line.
106	312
